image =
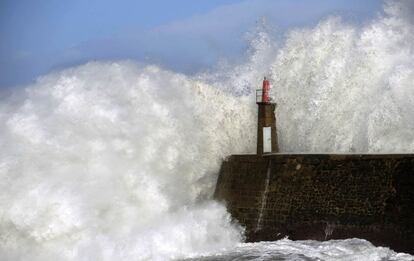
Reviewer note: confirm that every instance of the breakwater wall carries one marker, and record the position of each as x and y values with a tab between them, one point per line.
322	197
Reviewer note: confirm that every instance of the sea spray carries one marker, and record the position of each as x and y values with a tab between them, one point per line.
339	86
309	250
342	88
116	161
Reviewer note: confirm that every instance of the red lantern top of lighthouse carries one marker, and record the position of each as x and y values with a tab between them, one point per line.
262	95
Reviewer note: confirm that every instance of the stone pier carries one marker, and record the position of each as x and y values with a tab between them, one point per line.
322	197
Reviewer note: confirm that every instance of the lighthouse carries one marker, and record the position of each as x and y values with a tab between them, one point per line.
266	121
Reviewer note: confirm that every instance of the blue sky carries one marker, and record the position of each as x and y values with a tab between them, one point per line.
39	36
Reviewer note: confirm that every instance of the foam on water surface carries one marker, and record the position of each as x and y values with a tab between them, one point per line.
285	249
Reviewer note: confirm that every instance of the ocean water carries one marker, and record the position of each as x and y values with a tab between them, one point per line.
285	249
118	160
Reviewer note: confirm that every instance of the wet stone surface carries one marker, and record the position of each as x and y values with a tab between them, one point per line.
322	197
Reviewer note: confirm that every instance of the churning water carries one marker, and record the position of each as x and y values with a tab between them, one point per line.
118	161
285	249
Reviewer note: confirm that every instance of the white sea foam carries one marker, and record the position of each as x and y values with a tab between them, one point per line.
117	161
344	89
308	250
